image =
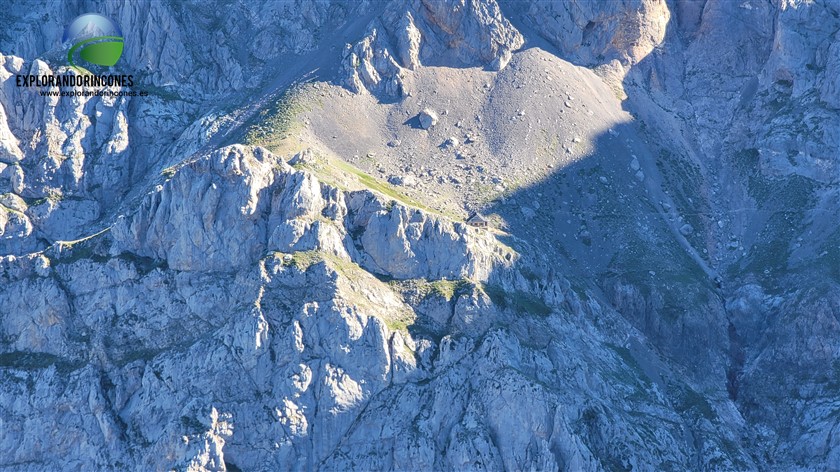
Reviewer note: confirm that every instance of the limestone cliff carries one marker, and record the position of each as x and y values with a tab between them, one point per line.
265	263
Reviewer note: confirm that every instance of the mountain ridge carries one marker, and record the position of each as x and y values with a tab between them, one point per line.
657	290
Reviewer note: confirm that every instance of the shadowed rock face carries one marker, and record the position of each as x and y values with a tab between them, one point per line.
657	288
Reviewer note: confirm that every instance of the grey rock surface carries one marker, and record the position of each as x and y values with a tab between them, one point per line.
432	33
219	276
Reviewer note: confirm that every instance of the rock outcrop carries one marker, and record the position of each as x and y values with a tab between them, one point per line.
593	34
459	33
193	335
661	291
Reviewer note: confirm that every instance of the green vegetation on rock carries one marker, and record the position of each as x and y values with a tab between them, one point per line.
279	120
517	300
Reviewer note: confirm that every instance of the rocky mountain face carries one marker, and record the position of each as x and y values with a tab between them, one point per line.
264	264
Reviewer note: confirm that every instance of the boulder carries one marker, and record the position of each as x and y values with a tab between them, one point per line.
403	180
451	143
428	118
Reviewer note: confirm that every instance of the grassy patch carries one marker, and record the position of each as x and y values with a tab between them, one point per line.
829	259
662	263
169	172
788	199
353	284
628	358
280	119
163	93
348	269
398	323
357	281
35	360
690	401
68	252
685	179
143	265
52	195
377	185
419	289
55	195
345	176
75	254
449	289
302	260
519	301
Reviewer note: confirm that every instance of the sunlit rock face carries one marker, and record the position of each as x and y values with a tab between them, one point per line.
268	261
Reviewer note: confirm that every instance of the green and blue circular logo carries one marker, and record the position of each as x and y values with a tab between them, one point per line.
95	40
